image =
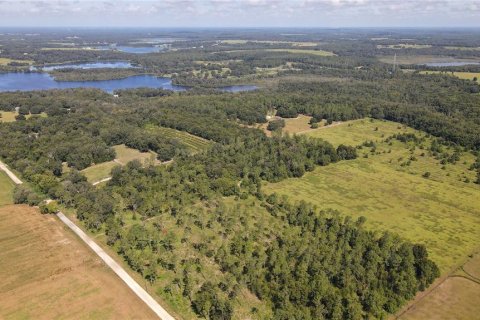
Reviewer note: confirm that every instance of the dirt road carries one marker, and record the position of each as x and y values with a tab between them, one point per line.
9	173
139	291
131	283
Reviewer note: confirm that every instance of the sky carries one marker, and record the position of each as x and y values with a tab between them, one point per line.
240	13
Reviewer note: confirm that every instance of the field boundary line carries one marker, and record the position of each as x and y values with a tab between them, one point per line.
131	283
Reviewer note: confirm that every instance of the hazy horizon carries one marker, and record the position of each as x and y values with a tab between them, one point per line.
241	14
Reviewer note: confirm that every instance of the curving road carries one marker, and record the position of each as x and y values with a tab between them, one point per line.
131	283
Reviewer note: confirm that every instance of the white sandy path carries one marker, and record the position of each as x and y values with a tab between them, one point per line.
9	173
139	291
100	181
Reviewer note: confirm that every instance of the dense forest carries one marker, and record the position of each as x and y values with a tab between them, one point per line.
201	225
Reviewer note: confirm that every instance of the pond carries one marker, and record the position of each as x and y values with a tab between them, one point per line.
451	64
43	81
89	65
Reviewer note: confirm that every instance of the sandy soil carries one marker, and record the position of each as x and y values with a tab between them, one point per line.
47	273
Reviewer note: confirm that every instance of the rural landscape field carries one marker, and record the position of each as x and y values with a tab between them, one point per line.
265	160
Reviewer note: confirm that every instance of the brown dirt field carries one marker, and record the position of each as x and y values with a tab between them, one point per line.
47	273
472	267
456	298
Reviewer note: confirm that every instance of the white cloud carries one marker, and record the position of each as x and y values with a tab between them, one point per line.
242	12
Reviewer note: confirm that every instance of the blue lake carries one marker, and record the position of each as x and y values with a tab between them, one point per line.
450	64
43	81
91	65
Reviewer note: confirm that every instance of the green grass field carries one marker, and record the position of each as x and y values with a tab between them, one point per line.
322	53
99	171
6	61
124	155
461	75
442	212
193	143
293	43
6	189
404	46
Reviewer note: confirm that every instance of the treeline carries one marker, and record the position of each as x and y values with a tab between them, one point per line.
334	270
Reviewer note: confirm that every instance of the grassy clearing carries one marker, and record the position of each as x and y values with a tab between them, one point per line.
192	142
442	212
124	155
6	189
461	75
70	49
99	171
421	59
464	48
356	132
322	53
47	273
6	61
404	46
9	116
293	43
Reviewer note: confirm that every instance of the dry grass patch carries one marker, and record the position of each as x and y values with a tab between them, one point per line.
47	273
9	116
456	298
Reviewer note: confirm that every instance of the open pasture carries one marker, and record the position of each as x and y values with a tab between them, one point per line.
6	61
321	53
293	43
47	273
461	75
403	46
124	155
441	211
